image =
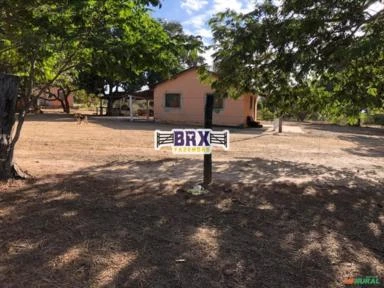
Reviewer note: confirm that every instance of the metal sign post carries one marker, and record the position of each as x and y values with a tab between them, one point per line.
208	125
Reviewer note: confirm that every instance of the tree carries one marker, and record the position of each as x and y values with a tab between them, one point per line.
41	40
186	52
126	46
87	99
8	97
187	48
30	36
163	50
281	51
358	86
61	94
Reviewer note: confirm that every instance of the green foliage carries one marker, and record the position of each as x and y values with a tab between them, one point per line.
84	99
187	48
127	43
304	56
375	117
44	39
157	50
91	44
378	119
265	114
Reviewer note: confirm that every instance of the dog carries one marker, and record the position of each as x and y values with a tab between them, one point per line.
81	118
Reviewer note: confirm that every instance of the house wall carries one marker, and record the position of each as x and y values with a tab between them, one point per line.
193	97
250	106
55	104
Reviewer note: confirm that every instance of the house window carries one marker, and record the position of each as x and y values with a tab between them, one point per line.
218	102
172	100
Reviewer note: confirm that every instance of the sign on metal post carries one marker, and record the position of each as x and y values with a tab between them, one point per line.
192	141
195	141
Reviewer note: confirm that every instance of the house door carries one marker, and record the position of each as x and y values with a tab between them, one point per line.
218	103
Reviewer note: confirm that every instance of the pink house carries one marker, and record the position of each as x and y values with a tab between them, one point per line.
181	99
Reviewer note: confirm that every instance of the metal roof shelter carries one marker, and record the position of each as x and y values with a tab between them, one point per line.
147	95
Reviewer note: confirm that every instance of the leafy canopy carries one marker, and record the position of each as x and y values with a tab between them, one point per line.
279	51
115	40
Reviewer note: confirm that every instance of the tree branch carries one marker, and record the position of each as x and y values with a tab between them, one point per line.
9	48
28	95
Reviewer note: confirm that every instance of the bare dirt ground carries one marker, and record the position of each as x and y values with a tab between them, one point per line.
299	209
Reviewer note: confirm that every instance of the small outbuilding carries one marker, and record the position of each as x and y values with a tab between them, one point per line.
181	100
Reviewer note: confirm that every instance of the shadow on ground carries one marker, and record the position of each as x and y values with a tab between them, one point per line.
365	146
151	125
51	117
369	142
344	129
128	224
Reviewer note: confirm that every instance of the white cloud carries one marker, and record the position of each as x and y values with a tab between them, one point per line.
193	5
197	21
188	32
205	33
200	20
236	5
249	7
208	56
222	5
375	7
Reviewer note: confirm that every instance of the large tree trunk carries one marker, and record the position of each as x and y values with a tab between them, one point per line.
110	104
65	102
35	105
8	97
62	103
67	108
62	98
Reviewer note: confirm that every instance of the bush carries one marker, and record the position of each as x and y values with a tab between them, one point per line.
343	120
266	115
85	100
373	118
378	119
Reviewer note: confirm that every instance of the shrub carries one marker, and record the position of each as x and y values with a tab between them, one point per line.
266	115
378	119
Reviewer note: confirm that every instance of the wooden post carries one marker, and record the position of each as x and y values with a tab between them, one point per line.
278	125
208	125
147	108
130	108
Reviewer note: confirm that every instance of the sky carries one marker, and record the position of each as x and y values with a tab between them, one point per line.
195	14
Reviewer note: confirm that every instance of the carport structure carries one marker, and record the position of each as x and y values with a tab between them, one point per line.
130	97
